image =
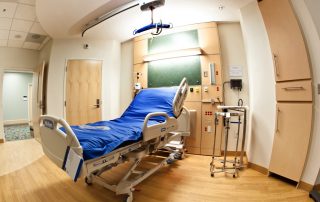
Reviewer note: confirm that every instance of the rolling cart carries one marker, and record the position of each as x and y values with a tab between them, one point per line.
229	166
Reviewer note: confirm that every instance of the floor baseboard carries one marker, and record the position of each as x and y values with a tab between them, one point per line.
15	122
305	186
301	185
258	168
233	153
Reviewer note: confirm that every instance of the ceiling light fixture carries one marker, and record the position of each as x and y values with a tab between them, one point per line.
221	7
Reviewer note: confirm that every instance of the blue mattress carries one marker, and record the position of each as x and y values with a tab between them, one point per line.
103	137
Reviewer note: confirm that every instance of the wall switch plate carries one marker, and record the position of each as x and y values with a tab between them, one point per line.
205	74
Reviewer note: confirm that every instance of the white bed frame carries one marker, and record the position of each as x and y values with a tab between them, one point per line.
155	137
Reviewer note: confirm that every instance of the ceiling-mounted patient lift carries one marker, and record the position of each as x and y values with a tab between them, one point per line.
151	5
145	5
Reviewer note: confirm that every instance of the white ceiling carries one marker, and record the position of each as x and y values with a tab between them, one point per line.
64	19
17	21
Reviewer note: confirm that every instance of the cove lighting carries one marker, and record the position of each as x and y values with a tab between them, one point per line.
172	54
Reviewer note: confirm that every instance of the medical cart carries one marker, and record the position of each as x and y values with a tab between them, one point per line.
227	112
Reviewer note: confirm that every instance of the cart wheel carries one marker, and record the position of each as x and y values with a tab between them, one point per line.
212	174
88	181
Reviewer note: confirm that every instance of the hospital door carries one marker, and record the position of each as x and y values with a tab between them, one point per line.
83	91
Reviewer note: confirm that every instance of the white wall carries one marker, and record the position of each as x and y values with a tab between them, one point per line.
233	54
261	82
126	75
45	52
314	7
14	59
105	50
313	44
17	58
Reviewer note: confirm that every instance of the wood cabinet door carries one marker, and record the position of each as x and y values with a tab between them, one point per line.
291	140
286	40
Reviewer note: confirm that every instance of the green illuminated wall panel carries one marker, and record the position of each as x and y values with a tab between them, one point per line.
171	42
170	72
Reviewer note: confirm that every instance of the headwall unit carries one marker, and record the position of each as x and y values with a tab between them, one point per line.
193	52
293	89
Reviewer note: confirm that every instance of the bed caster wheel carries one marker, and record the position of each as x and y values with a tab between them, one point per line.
212	175
88	180
178	156
169	161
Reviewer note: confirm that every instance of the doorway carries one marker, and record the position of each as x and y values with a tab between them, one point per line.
17	105
83	91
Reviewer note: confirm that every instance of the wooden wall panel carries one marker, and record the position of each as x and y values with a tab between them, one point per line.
140	49
142	70
208	129
195	95
209	40
205	65
212	93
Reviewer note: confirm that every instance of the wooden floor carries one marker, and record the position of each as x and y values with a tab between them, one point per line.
184	181
15	155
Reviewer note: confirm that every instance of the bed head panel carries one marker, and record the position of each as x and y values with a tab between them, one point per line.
152	100
165	99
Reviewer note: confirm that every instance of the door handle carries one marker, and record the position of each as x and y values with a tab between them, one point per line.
97	105
275	63
294	88
277	121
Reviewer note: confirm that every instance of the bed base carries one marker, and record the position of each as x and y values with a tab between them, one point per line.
127	183
55	144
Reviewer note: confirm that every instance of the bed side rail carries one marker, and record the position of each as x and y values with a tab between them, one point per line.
54	141
180	97
153	131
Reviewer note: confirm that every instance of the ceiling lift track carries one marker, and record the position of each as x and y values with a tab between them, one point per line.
145	5
108	15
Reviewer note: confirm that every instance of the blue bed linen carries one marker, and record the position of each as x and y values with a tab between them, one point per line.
103	137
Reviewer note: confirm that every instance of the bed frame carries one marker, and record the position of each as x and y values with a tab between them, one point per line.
156	137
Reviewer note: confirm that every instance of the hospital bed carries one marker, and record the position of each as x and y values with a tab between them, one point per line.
149	124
